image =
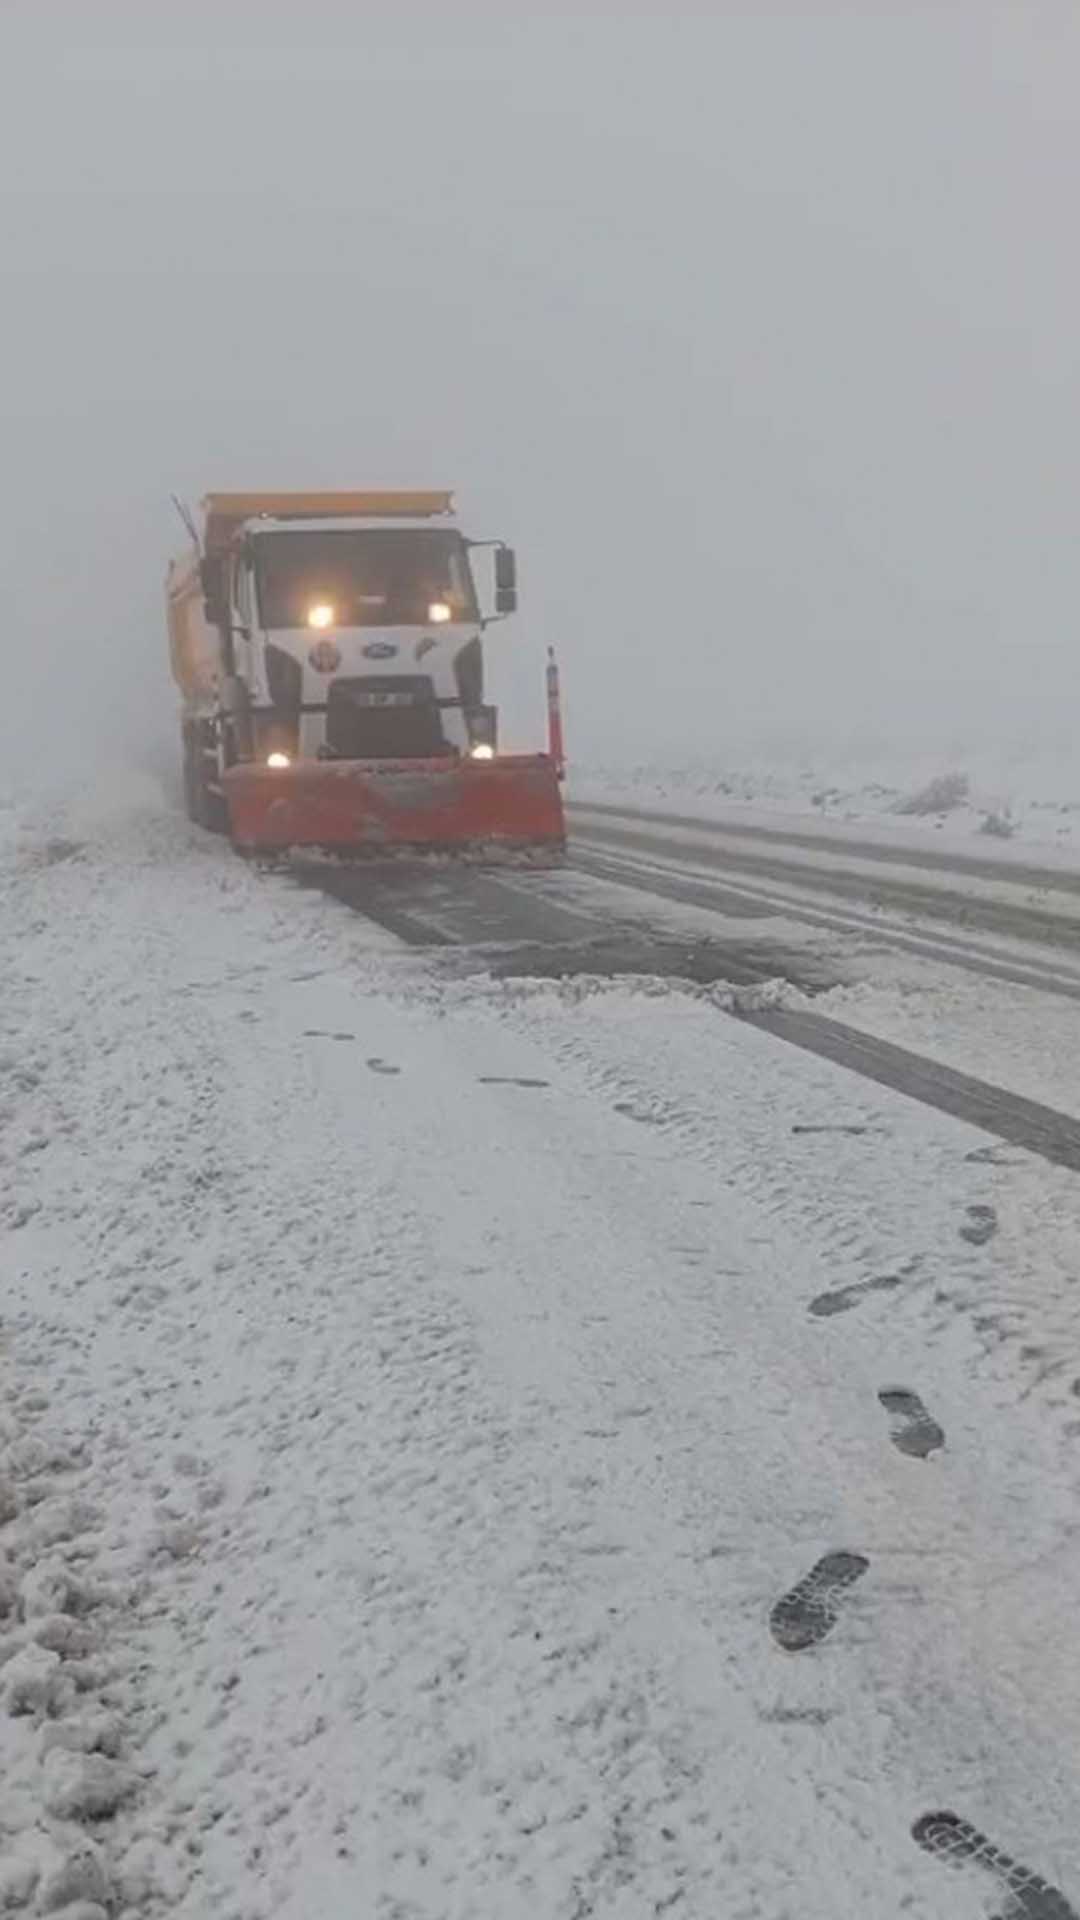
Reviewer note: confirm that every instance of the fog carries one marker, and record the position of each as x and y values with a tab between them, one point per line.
755	328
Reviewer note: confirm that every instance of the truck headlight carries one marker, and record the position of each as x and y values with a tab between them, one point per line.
321	615
481	751
278	760
438	613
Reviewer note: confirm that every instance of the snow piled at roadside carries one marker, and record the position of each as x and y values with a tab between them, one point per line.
1027	797
111	1167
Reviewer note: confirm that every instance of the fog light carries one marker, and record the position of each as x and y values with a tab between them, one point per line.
438	613
321	614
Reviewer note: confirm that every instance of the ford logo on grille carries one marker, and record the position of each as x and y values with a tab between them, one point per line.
380	650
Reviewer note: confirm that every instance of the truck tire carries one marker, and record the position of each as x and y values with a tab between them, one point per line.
213	812
206	807
188	750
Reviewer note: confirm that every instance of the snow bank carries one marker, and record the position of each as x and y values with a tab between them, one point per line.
1030	798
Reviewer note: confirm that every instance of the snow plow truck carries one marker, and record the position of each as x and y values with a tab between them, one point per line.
328	648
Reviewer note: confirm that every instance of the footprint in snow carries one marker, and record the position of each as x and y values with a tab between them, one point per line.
510	1080
958	1844
798	1716
842	1299
633	1112
911	1428
804	1616
320	1033
981	1226
381	1066
992	1157
51	853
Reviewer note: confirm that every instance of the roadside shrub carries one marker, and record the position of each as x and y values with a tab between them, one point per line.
942	795
1000	825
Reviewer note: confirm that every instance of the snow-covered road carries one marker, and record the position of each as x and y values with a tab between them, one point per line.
421	1391
991	914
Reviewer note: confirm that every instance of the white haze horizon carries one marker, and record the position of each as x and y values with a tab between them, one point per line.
755	329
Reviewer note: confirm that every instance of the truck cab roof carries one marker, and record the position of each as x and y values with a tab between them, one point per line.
227	513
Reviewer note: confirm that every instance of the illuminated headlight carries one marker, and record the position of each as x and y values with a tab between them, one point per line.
482	751
278	760
438	613
321	615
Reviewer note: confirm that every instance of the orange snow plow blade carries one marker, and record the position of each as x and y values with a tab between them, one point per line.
378	806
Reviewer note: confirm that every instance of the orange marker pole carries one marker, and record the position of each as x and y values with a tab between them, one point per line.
554	707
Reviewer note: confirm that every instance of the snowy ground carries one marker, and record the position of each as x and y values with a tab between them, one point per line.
419	1392
1007	1034
1031	798
974	965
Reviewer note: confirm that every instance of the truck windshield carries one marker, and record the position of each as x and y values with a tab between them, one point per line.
382	577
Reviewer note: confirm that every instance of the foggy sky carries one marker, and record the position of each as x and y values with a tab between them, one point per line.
756	328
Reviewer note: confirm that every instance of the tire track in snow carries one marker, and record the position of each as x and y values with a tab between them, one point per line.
1023	1123
419	911
1022	918
1020	872
666	881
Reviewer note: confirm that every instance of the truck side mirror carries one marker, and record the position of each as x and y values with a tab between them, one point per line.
213	586
506	598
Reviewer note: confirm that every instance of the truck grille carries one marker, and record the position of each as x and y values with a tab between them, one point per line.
384	717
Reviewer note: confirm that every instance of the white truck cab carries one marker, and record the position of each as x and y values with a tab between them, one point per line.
330	627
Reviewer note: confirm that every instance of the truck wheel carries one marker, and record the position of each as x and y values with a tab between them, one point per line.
191	791
209	808
215	812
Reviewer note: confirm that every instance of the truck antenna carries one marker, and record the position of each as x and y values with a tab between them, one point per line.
185	514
